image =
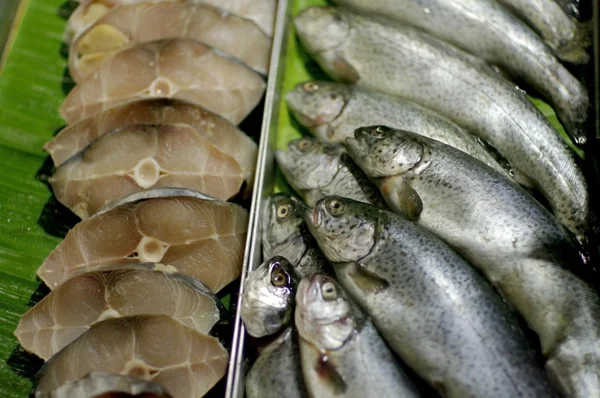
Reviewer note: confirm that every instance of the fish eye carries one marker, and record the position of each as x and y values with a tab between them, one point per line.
279	278
329	291
304	144
335	207
377	132
333	96
284	210
311	87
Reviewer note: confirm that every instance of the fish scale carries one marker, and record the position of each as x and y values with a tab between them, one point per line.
435	311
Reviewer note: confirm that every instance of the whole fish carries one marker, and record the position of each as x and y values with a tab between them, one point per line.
332	111
316	169
430	305
567	37
341	352
487	29
285	234
405	62
269	293
503	231
276	372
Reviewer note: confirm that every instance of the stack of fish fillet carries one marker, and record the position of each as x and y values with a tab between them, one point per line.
149	159
440	240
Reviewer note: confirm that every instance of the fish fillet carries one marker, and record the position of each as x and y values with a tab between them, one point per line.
138	157
111	292
218	131
261	12
201	238
154	347
129	25
179	68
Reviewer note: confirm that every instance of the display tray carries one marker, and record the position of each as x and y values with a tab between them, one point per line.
291	65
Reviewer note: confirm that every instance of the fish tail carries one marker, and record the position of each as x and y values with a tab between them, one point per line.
575	50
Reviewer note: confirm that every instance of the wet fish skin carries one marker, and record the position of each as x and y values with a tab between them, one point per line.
316	169
341	352
488	30
504	232
285	234
269	292
555	21
442	318
405	62
276	372
332	111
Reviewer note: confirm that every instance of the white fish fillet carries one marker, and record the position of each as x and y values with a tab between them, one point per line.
178	68
139	157
112	292
261	12
221	133
200	238
129	25
155	347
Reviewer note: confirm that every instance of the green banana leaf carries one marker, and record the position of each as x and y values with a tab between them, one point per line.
32	87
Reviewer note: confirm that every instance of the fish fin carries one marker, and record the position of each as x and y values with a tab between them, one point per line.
574	50
344	72
330	375
402	198
368	281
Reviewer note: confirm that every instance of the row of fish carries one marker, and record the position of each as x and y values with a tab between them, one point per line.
149	158
418	243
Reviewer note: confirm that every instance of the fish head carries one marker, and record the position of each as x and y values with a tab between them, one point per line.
283	228
322	28
268	298
316	105
325	316
345	229
310	164
382	151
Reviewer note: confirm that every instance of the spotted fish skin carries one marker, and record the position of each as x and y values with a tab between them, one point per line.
341	352
435	311
316	169
406	62
276	372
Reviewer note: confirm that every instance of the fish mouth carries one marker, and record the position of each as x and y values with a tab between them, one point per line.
353	146
313	218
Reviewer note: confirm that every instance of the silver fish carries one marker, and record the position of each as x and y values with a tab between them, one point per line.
276	372
554	21
316	169
341	352
503	231
269	293
488	30
405	62
442	318
285	234
332	111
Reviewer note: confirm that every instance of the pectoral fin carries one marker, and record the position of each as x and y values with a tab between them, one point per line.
341	69
367	281
402	198
327	371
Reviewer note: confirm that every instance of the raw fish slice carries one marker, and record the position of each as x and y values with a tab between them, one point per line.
165	230
262	12
138	157
151	347
178	68
98	384
222	134
129	25
110	292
